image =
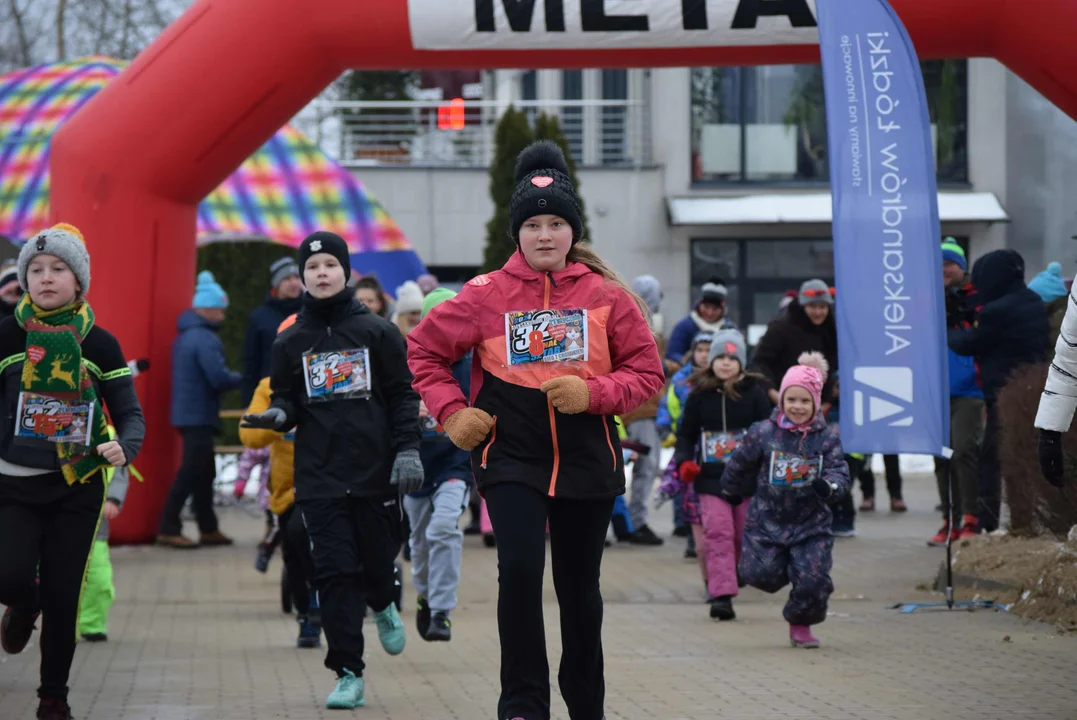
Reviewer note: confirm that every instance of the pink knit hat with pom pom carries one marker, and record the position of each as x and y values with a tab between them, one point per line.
809	373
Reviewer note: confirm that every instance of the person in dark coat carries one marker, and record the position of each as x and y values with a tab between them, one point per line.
1011	330
199	376
284	300
10	292
709	314
340	377
806	326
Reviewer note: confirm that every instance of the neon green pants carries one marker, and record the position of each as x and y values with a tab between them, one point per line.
98	594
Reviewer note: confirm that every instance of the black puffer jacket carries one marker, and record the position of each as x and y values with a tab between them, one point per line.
1011	328
725	420
344	446
789	336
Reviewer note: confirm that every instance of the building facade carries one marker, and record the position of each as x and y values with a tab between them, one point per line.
689	173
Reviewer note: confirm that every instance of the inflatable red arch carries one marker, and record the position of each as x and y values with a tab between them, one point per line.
131	167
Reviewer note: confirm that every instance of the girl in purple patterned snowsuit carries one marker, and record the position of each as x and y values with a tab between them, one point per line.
794	466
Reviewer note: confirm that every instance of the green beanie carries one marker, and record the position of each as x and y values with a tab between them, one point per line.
435	298
952	252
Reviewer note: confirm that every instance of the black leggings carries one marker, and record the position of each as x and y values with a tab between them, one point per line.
51	540
577	538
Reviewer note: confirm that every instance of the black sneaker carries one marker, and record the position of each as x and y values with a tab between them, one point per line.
722	608
53	709
261	560
16	629
680	531
310	634
422	617
440	628
95	637
690	552
645	536
473	528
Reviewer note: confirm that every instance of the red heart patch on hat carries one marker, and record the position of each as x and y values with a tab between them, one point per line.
542	181
36	353
731	348
557	332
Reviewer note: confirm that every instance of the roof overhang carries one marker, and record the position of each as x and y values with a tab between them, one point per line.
784	208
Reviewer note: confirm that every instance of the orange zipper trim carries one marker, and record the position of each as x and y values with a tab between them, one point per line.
486	450
609	441
556	451
553	420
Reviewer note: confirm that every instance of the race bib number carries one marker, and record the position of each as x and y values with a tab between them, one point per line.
44	419
431	428
790	470
337	375
716	447
546	336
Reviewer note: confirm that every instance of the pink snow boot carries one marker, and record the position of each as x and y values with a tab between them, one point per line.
800	636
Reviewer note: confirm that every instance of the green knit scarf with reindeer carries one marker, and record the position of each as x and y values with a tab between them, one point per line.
54	367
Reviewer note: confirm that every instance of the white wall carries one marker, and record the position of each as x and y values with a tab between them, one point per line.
1042	159
987	148
443	212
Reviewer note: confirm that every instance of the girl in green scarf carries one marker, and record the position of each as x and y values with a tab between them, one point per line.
59	375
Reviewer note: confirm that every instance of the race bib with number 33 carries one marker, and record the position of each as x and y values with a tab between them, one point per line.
337	375
545	336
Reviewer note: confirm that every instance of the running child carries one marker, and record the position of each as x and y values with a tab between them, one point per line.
561	346
437	543
794	466
724	402
339	376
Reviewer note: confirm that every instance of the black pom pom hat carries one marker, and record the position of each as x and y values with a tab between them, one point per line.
543	187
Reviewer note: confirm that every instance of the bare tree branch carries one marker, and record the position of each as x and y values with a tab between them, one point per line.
20	30
61	46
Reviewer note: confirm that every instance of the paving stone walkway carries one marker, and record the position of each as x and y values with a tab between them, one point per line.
200	635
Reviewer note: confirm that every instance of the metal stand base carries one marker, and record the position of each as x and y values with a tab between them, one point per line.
967	605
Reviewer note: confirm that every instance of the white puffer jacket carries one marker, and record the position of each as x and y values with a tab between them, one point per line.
1059	398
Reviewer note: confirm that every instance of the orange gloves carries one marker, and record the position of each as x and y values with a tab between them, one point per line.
468	427
569	394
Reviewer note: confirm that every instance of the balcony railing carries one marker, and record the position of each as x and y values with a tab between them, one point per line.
608	133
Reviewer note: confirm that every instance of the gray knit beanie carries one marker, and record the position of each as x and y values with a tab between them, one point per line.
728	342
814	291
282	269
65	242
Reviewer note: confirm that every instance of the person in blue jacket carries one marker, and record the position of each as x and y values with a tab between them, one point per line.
437	543
708	315
285	300
957	478
199	376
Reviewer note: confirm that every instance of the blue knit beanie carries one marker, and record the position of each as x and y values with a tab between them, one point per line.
1049	284
208	293
952	252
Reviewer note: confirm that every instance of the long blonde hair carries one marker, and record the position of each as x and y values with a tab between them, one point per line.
584	254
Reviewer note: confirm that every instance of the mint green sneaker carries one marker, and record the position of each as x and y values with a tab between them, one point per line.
390	630
348	693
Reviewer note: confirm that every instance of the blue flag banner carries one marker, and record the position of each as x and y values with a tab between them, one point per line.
890	306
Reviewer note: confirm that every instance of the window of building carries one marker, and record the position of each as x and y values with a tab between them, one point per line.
614	129
572	117
768	124
758	272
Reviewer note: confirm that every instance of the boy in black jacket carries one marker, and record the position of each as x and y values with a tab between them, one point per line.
340	377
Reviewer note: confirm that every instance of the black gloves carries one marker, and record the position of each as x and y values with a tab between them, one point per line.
1051	462
823	488
733	500
271	419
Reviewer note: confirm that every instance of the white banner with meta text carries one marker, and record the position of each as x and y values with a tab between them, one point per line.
609	24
